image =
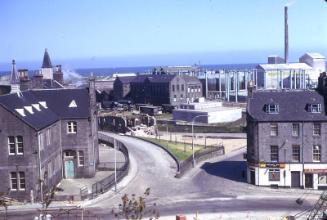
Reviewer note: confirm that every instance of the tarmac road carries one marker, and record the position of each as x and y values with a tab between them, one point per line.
216	188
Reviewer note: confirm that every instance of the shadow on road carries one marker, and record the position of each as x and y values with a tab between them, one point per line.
233	170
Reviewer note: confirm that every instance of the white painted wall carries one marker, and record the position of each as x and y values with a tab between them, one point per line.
47	73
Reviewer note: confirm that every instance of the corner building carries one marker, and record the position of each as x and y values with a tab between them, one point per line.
45	136
287	138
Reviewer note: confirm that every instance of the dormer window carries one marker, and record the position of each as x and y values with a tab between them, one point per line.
314	108
272	108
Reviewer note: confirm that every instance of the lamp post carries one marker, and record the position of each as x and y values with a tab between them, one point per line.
115	149
193	120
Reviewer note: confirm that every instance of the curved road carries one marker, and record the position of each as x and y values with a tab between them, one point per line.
216	186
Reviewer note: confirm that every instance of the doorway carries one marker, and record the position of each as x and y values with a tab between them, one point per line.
295	179
252	177
69	169
308	180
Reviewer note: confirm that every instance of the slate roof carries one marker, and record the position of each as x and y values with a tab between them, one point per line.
46	60
160	78
51	84
191	79
59	99
292	105
126	79
57	102
139	79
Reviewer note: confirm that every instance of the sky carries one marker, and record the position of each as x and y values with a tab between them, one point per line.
115	33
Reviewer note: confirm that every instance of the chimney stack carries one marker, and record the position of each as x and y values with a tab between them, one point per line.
286	34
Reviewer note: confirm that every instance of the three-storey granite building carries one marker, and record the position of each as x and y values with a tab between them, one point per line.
286	138
46	135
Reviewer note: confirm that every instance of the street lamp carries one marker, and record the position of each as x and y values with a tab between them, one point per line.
115	168
193	120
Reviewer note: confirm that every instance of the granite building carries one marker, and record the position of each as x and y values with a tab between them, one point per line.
164	89
286	137
46	135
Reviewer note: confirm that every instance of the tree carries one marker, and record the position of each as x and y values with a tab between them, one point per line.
4	203
135	208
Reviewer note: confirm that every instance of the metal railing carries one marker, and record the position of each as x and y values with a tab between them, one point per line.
109	182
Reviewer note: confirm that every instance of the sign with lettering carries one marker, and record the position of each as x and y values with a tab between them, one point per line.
272	165
315	170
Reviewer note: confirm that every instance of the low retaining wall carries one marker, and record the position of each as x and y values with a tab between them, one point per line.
199	156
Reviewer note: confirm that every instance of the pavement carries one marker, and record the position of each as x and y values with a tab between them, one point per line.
71	188
214	188
231	141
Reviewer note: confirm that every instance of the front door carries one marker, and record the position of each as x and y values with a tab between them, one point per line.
308	180
69	169
252	177
295	180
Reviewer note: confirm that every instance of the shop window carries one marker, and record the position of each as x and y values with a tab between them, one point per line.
274	175
322	179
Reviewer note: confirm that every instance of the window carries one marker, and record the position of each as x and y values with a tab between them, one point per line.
181	95
173	88
314	108
48	136
295	130
272	108
17	181
15	145
273	129
296	153
316	129
80	158
72	127
11	145
316	153
13	181
182	87
274	153
19	145
322	179
274	174
177	87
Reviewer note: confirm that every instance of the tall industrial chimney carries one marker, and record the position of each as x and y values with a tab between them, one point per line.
286	34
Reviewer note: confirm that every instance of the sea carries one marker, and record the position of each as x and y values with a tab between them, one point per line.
84	72
148	69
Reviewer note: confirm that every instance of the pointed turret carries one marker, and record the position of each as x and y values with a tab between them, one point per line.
46	60
14	78
47	70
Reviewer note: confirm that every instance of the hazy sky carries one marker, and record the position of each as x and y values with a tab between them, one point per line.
152	32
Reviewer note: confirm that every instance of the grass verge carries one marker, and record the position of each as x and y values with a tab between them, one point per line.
180	150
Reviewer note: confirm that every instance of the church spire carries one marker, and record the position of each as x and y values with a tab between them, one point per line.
46	60
14	79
